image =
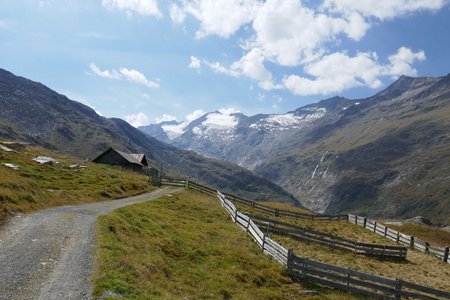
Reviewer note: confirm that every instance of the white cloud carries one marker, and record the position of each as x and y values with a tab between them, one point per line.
252	65
111	74
195	115
338	71
382	9
401	62
130	7
219	68
290	33
177	15
138	77
166	118
124	73
219	17
195	63
136	120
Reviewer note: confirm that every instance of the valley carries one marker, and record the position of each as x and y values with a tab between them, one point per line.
381	156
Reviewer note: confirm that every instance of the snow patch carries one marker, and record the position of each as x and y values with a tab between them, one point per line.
223	119
174	130
290	120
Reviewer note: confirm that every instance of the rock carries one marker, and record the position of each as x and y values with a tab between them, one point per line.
6	149
75	167
419	220
11	165
109	294
446	228
45	160
15	145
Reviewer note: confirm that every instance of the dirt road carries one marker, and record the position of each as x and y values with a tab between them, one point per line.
49	254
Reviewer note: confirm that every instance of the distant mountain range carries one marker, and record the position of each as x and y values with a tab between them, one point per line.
385	156
29	111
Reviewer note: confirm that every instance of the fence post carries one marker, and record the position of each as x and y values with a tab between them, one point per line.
356	220
263	242
235	215
348	278
411	243
375	227
253	204
365	222
277	212
289	258
427	247
446	254
398	236
187	183
398	288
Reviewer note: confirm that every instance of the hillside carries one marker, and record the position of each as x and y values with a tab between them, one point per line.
147	251
32	112
384	156
36	186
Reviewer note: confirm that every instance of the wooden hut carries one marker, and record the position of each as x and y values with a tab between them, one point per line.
125	160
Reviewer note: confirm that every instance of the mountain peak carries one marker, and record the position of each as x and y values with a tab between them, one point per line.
406	83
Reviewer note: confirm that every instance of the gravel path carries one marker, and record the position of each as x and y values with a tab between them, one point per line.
49	254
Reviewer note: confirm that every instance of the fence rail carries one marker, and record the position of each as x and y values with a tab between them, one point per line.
253	204
331	240
401	238
329	275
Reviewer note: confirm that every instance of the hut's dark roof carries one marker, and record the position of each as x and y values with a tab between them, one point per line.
129	157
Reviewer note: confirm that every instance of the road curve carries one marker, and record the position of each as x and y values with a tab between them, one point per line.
49	254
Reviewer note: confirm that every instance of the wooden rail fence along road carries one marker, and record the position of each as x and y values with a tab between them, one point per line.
331	240
253	204
329	275
401	238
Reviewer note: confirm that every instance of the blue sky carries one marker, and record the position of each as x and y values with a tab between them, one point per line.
149	60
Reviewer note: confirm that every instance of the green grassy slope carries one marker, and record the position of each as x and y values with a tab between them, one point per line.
185	246
36	186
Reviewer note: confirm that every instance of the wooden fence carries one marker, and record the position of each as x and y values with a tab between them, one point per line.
401	238
358	282
253	204
331	240
329	275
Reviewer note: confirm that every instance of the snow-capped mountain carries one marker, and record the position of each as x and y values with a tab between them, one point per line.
382	156
229	135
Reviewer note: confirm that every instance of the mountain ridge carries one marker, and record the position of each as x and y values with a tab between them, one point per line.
339	155
32	112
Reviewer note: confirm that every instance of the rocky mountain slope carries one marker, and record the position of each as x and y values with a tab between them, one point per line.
385	156
32	112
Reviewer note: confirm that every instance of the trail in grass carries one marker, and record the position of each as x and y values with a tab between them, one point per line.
49	254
